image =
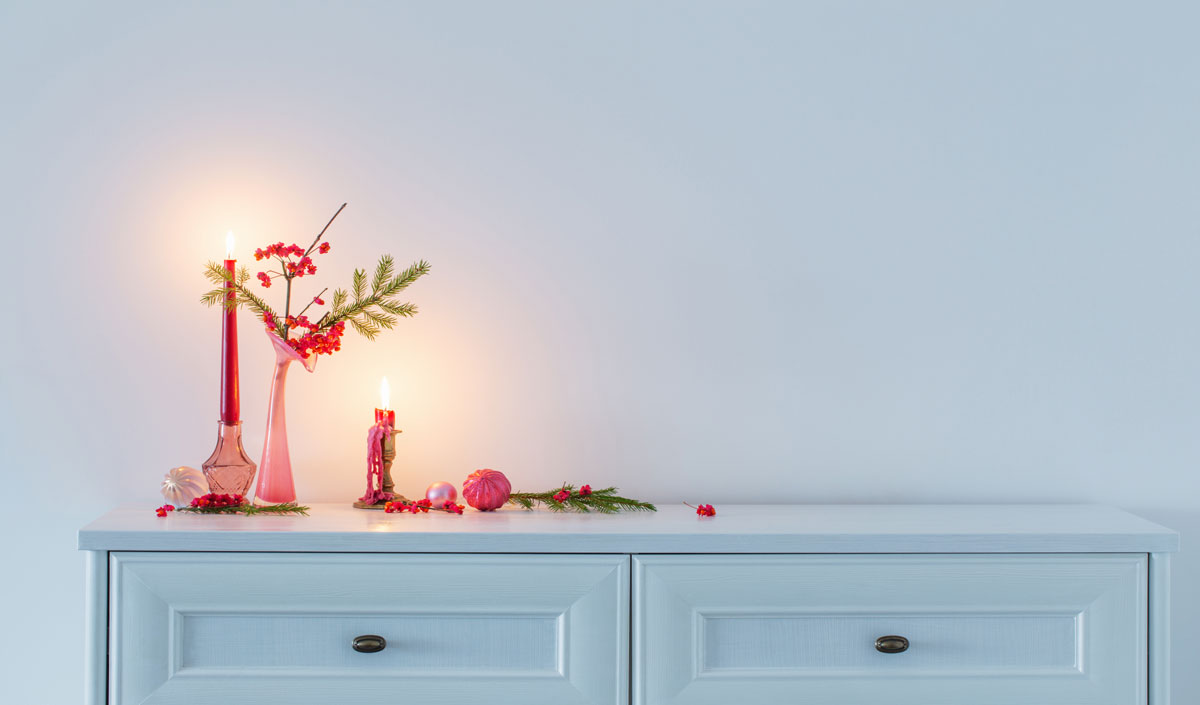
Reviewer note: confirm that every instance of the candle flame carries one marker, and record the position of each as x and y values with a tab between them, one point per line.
385	394
229	245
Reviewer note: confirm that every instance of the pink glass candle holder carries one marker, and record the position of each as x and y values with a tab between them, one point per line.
275	484
229	470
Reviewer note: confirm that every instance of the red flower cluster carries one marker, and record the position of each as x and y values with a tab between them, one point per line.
421	506
269	321
706	510
217	501
318	301
313	342
323	248
266	280
562	496
162	511
585	490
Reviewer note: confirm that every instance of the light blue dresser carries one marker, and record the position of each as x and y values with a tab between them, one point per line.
806	605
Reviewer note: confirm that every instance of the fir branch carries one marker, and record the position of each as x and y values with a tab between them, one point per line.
249	509
362	314
214	297
406	310
360	284
338	300
604	501
383	272
216	273
244	297
408	276
382	320
364	328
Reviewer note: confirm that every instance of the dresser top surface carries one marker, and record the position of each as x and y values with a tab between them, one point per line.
854	528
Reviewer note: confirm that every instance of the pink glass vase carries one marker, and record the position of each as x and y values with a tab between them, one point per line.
275	485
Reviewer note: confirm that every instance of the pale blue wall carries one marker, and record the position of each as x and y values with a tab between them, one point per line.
789	251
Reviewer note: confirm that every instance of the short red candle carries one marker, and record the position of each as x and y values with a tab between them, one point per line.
231	407
385	400
389	414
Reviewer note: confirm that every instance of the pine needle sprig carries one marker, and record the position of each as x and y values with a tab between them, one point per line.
370	314
217	274
249	509
603	501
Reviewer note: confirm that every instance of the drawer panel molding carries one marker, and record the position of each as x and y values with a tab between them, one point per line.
256	628
984	629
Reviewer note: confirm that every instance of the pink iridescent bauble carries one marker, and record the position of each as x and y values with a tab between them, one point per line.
486	489
441	492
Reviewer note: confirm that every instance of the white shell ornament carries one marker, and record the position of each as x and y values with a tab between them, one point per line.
183	484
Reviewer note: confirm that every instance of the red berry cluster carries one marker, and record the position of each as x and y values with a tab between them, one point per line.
213	500
421	506
314	342
291	268
278	250
564	494
162	511
299	269
706	510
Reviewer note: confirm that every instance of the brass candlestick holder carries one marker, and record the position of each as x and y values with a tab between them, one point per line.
388	447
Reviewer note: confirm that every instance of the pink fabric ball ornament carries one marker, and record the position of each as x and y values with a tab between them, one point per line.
486	489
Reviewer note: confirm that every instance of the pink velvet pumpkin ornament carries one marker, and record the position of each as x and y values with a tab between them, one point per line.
486	489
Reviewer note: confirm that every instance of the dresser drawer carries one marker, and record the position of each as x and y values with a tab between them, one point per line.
278	628
1032	629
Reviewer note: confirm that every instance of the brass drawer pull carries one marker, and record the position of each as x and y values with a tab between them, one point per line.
369	643
891	644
